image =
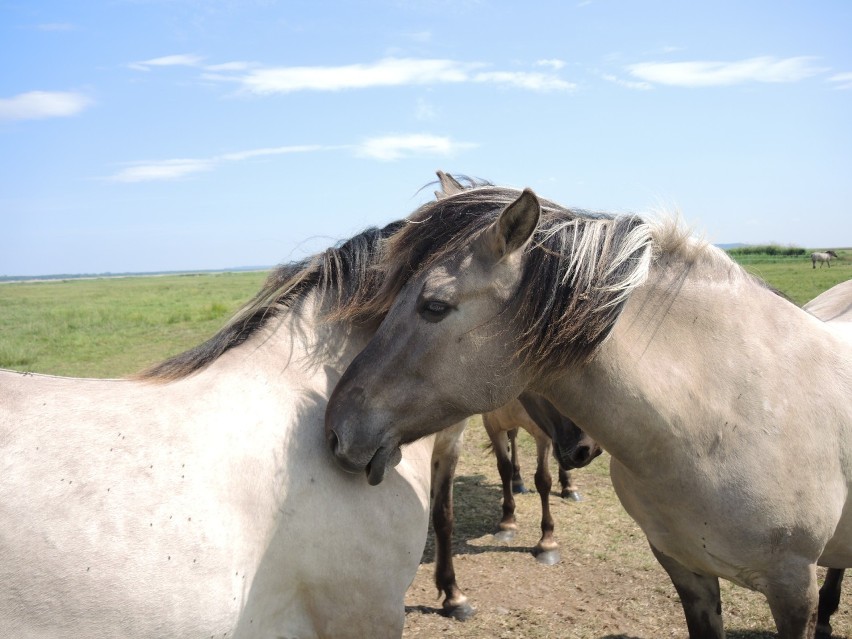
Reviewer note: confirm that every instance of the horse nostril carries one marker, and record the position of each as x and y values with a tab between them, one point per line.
333	441
583	455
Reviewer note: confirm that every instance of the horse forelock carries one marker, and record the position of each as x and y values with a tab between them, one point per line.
344	278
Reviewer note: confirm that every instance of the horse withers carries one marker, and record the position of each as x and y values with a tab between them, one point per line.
665	351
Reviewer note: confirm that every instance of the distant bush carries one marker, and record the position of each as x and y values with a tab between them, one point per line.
769	249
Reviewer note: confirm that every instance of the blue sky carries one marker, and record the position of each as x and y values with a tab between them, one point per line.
146	135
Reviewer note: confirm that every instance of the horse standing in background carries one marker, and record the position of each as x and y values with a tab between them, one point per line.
502	428
823	256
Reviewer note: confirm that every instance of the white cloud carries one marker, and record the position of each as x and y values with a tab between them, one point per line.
641	86
387	72
163	170
522	80
37	105
231	66
178	168
180	60
712	73
553	63
842	80
395	147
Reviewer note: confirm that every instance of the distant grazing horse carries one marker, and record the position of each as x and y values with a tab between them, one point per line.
664	349
201	500
823	256
502	427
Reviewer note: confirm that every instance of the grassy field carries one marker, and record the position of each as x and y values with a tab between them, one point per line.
115	326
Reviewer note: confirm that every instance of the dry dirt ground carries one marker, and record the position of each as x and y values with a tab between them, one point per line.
607	585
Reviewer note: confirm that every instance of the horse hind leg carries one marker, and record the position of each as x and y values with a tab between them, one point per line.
508	527
699	596
444	459
569	489
829	600
517	481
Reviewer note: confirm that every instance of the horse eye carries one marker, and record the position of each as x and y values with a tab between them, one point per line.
433	310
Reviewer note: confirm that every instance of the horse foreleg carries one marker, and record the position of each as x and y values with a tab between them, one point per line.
793	599
699	596
444	459
829	600
547	550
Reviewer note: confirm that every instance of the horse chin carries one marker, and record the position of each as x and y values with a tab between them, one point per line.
386	457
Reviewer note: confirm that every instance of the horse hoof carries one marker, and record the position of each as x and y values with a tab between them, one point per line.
519	489
505	535
547	557
572	495
459	612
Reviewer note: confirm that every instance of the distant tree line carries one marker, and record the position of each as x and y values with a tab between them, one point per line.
768	249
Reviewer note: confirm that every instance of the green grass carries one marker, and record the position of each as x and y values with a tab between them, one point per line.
114	327
796	277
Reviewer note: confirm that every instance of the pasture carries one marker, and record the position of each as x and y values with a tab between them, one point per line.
608	584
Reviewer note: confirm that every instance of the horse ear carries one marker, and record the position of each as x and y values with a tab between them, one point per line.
515	226
449	186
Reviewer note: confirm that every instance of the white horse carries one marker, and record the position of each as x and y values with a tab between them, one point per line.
201	500
702	384
823	256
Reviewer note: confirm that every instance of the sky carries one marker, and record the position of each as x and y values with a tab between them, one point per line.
157	135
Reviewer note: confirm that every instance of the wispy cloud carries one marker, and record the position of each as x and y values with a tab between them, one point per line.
387	72
386	148
163	170
180	60
524	80
841	80
712	73
395	147
553	63
630	84
182	167
38	105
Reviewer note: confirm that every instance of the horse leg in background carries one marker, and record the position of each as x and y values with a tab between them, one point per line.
829	600
699	596
445	456
569	489
500	443
517	481
791	591
546	550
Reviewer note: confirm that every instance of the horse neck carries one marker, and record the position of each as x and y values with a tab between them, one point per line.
681	353
300	343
